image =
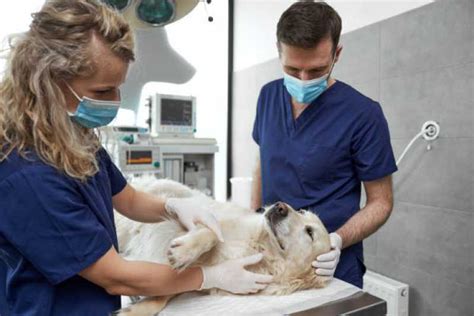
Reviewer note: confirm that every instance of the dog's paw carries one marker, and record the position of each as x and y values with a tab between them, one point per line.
124	312
151	306
183	251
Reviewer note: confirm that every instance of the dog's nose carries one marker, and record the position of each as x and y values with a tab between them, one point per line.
282	209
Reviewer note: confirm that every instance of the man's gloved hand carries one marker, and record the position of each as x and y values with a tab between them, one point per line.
325	264
190	212
232	277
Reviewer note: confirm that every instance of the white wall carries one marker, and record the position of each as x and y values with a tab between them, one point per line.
205	46
256	20
15	17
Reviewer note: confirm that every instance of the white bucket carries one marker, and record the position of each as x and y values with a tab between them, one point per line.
241	191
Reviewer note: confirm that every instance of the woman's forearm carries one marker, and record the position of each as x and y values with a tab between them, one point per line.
147	208
152	279
139	206
122	277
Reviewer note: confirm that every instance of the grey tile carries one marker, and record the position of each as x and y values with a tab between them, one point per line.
452	298
368	88
244	103
418	281
268	71
444	95
430	37
441	177
430	294
370	246
370	262
247	85
244	149
363	197
434	240
359	59
471	171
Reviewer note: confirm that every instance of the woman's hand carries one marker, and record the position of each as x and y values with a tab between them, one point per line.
190	212
232	276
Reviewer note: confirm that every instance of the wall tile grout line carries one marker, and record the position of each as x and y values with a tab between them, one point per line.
427	275
440	68
440	137
435	207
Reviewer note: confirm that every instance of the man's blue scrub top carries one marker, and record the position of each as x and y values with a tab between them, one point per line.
51	228
318	161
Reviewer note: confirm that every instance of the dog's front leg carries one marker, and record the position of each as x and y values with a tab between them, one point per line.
185	250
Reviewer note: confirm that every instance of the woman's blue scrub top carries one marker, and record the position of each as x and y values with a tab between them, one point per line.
51	228
318	161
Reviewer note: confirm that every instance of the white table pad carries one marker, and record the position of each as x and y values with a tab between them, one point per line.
195	303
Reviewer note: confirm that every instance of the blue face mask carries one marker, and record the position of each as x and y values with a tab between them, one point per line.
305	91
92	113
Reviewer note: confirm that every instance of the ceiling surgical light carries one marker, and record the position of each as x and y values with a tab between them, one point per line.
156	12
118	4
147	18
153	13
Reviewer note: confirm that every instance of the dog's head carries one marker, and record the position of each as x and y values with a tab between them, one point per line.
297	238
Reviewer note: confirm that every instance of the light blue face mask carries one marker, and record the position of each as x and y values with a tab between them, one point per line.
92	113
305	91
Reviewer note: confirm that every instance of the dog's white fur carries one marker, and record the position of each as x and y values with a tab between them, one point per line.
285	243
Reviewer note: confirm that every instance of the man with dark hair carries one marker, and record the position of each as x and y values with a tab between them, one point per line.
320	138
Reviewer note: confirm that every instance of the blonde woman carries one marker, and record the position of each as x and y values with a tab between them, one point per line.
58	245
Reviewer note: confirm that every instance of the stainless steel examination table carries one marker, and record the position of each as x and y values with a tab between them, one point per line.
358	304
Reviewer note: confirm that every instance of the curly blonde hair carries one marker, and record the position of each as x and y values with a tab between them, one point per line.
33	114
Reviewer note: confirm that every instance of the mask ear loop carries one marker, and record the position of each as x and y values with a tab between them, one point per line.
73	92
333	63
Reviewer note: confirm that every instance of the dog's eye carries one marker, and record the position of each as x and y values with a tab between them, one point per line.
309	230
300	211
260	210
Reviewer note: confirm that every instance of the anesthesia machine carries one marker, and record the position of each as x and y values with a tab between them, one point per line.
170	150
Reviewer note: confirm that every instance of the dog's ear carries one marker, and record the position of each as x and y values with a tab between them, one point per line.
311	280
306	281
316	281
260	210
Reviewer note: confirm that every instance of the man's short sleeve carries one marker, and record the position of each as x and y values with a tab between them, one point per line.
371	148
45	218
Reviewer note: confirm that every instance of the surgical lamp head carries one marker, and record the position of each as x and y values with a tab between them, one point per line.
152	13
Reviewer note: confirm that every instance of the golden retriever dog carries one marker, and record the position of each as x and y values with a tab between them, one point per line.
288	239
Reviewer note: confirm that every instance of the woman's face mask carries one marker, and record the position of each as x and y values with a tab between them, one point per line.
93	113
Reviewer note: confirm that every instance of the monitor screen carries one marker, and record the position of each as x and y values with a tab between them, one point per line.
176	112
139	157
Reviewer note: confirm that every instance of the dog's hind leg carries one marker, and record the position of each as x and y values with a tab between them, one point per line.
186	249
149	306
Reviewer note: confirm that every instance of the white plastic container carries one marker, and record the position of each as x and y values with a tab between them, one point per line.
241	191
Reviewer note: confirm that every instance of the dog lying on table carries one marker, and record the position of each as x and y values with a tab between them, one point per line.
288	239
